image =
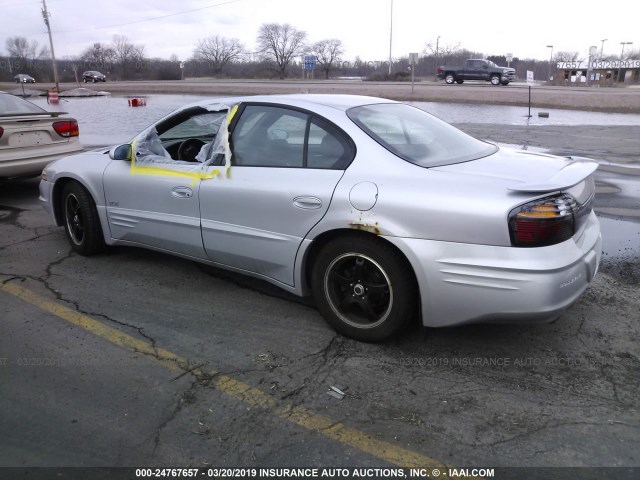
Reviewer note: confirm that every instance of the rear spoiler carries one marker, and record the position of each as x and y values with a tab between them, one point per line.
572	174
31	115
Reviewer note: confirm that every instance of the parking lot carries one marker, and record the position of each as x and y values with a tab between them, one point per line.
135	358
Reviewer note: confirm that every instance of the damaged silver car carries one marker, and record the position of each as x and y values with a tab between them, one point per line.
379	210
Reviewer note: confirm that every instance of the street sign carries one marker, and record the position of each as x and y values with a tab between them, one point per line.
413	58
310	62
529	77
509	57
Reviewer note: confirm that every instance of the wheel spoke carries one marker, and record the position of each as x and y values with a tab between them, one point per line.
347	301
342	280
359	269
366	306
376	288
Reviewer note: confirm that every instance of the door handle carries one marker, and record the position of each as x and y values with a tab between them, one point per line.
182	192
307	203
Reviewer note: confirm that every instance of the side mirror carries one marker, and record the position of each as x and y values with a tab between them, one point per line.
121	152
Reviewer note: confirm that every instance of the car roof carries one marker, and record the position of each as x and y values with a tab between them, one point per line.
301	100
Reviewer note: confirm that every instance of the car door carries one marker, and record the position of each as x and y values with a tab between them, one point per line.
285	167
160	208
157	211
475	70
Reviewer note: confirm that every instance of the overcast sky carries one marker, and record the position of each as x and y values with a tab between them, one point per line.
169	27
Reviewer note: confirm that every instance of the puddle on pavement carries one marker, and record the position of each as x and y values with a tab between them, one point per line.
620	238
517	115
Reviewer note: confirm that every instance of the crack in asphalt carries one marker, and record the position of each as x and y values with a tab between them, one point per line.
12	217
547	426
187	398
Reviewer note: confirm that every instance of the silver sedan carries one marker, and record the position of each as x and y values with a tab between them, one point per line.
379	210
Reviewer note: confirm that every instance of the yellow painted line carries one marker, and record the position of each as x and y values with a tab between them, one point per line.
254	397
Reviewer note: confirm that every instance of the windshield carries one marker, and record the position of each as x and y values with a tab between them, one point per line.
416	136
11	105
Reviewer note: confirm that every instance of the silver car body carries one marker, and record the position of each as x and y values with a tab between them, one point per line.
449	221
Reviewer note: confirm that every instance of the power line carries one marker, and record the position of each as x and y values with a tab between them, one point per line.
22	4
149	19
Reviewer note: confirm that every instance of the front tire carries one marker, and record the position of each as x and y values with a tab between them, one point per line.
449	78
81	221
504	83
364	288
495	80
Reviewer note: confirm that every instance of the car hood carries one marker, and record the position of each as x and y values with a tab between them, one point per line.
523	171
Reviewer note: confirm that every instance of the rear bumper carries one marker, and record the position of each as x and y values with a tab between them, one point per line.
465	283
22	167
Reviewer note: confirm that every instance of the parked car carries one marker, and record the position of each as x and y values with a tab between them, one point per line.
93	76
379	210
31	137
477	69
24	78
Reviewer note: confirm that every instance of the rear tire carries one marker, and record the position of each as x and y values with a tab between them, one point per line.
504	83
364	288
495	80
449	78
81	220
459	82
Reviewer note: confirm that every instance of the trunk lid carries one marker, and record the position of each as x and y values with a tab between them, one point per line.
523	171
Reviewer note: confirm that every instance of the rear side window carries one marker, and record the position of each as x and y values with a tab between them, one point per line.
10	105
269	136
416	136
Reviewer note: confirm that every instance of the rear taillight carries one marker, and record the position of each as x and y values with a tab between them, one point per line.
543	222
1	131
66	128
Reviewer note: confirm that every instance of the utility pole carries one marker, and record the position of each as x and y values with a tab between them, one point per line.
602	47
390	36
435	75
45	16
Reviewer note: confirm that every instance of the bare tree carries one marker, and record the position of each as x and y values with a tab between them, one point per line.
23	49
99	56
328	52
126	53
566	56
18	47
219	51
441	50
280	43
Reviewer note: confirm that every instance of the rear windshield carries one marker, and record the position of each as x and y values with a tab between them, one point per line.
10	105
416	136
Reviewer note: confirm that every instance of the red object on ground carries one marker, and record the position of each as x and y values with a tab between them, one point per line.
137	102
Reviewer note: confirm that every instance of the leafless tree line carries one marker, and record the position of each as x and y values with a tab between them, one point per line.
278	46
278	53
